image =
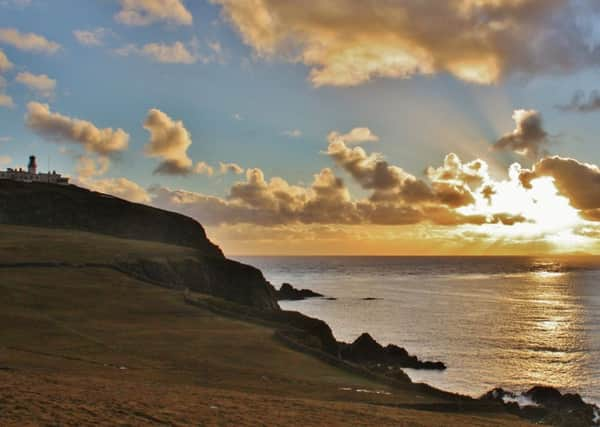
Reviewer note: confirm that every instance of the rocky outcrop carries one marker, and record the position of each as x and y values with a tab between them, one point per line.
223	278
314	329
288	293
367	351
72	207
547	405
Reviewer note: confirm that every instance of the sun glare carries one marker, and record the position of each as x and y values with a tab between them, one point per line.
548	216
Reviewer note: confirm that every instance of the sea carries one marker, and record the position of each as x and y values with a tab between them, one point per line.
511	322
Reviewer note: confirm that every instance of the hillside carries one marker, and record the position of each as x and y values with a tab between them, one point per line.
82	343
72	207
190	261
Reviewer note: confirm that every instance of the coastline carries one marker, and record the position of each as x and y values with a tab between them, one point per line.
417	374
538	402
528	326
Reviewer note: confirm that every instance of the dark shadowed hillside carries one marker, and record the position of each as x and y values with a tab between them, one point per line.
72	207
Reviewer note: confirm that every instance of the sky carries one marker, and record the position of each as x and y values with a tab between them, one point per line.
320	127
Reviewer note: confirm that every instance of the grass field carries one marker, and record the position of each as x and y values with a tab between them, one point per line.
92	346
33	244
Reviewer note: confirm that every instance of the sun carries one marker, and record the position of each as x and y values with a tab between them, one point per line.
548	216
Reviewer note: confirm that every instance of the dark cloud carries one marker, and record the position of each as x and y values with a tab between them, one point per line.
580	104
579	182
391	183
528	138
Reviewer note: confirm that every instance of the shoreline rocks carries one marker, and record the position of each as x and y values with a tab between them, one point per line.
365	350
288	293
543	404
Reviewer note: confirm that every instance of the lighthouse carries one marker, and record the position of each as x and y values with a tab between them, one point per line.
32	175
32	166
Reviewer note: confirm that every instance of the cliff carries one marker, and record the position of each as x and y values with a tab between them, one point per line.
72	207
201	267
223	278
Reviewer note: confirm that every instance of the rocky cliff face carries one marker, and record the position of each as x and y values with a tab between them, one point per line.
56	206
223	278
71	207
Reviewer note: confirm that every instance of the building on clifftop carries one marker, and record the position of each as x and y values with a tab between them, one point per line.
32	175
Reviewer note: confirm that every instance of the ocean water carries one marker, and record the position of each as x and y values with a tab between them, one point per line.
512	322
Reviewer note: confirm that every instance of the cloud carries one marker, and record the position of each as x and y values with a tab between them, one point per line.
294	133
355	136
391	183
275	202
5	138
93	37
146	12
234	168
272	202
118	187
28	41
473	173
528	138
579	104
218	53
4	160
370	171
238	116
203	168
454	194
5	100
88	167
176	53
348	42
5	63
59	128
579	182
169	141
42	84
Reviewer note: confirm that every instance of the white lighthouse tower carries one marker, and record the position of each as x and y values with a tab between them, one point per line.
32	166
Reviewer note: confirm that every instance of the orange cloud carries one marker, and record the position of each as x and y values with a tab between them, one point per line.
41	84
118	187
88	167
5	100
5	63
348	42
169	141
59	128
28	41
146	12
355	136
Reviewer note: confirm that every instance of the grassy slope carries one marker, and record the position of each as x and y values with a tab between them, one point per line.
32	244
94	346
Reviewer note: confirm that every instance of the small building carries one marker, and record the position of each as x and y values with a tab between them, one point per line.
32	175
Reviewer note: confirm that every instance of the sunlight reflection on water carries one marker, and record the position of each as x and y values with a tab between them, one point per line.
510	322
